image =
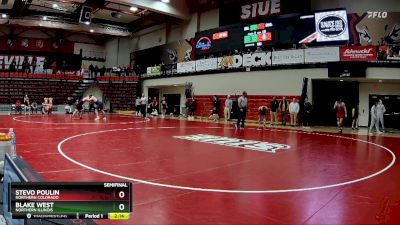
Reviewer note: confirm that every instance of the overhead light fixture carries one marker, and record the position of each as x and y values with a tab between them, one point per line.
91	30
55	6
133	9
165	1
44	17
87	23
341	80
3	15
380	81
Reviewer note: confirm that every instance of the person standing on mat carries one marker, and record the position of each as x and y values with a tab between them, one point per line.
242	104
98	106
294	109
341	114
143	106
355	113
228	108
380	110
274	110
164	107
284	107
374	119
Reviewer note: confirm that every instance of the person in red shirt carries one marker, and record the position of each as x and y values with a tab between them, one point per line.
341	114
154	106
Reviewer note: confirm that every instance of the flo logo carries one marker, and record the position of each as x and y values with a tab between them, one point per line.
236	143
204	43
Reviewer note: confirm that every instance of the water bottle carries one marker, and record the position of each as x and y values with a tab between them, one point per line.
13	150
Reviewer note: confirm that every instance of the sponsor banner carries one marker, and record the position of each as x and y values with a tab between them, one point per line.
186	67
332	26
358	53
170	69
321	55
389	52
206	64
288	57
153	71
246	60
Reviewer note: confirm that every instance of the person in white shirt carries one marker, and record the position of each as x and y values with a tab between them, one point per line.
380	110
242	104
228	108
143	105
374	119
294	109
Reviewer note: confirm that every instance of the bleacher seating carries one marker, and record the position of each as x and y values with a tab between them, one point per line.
14	86
122	95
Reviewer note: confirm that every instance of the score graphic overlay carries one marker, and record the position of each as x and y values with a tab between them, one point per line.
70	200
257	34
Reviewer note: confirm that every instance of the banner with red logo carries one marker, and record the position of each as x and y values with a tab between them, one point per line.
358	53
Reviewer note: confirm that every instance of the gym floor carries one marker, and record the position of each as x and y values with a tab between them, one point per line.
190	172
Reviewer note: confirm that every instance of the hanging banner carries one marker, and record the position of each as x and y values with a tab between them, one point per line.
186	67
206	64
288	57
321	55
358	53
332	26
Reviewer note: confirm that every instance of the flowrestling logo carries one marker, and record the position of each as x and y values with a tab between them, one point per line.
236	143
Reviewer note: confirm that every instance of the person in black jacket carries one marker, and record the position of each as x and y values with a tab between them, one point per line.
215	109
274	111
306	115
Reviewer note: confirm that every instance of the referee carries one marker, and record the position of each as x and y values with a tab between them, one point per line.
242	103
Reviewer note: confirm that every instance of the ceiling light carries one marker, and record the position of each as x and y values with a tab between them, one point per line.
165	1
133	9
380	81
341	80
55	6
91	30
44	17
87	23
3	15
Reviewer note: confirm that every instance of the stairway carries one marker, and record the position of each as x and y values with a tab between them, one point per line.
83	86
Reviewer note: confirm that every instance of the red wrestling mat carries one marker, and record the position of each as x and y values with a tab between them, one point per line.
201	173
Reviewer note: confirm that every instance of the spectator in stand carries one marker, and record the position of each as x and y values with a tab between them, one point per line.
96	71
274	111
64	67
34	107
215	109
91	70
103	71
294	109
306	113
242	104
13	66
18	107
164	107
33	64
228	108
284	107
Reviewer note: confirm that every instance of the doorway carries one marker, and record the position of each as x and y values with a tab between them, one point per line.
326	93
174	103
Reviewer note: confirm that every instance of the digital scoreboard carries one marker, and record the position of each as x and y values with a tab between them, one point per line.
70	200
257	34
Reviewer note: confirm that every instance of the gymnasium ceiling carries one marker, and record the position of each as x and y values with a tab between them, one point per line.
109	17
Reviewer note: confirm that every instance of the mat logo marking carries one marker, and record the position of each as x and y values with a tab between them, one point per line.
236	143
